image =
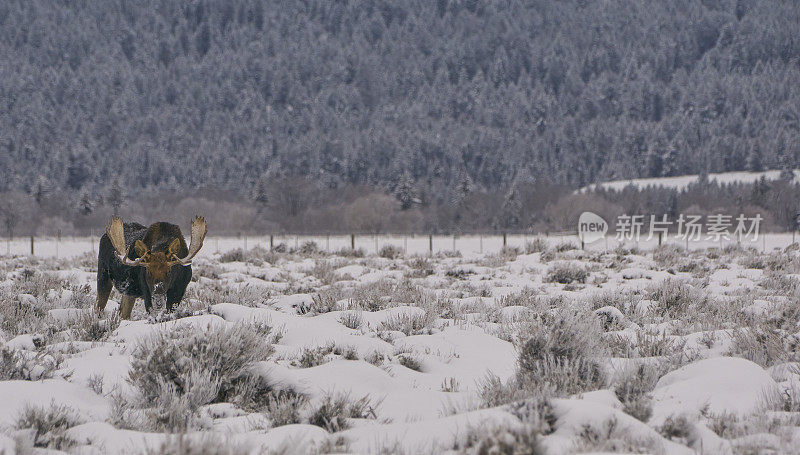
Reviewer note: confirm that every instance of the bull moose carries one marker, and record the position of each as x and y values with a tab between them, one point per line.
146	262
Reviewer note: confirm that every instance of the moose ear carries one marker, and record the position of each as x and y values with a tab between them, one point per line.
140	248
174	247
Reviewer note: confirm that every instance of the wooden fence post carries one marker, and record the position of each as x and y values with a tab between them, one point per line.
430	244
353	242
481	243
271	242
504	240
31	245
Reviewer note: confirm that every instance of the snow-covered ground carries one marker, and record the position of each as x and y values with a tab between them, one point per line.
682	181
537	348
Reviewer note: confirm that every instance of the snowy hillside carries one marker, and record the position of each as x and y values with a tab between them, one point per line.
681	182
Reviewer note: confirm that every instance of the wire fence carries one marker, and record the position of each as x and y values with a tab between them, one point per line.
412	244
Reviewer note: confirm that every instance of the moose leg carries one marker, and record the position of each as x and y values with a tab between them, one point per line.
104	286
126	307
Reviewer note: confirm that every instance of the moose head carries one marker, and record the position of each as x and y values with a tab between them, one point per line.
159	263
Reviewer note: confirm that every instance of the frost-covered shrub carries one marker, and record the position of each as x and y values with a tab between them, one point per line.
677	428
37	284
566	273
410	323
48	425
206	444
760	344
351	253
22	313
565	246
256	255
390	252
536	246
89	327
308	248
675	297
245	295
323	301
527	297
787	285
611	437
498	440
644	345
28	366
323	271
334	409
668	255
562	353
312	357
409	360
421	267
284	408
566	376
176	372
351	319
633	389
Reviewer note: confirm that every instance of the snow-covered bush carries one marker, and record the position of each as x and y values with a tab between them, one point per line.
246	295
308	248
334	409
28	366
536	246
176	372
761	344
323	301
351	319
633	389
390	252
675	297
284	407
47	426
182	444
87	326
668	254
563	353
566	273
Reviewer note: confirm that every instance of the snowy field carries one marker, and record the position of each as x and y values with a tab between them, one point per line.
681	182
536	348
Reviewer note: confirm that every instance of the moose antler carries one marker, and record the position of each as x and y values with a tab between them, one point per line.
116	233
199	230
